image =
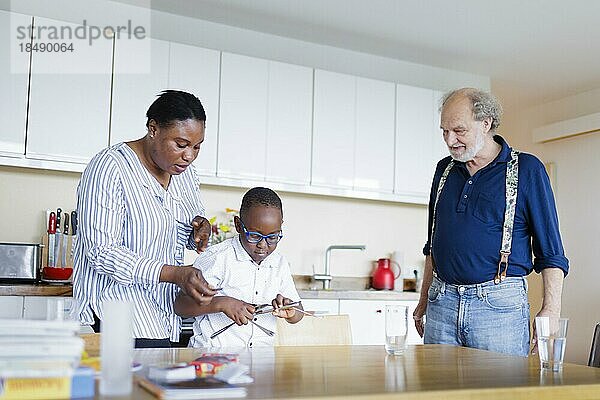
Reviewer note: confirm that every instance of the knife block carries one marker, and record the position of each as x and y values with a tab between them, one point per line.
58	257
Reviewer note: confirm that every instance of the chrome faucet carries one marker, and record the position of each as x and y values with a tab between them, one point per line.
326	277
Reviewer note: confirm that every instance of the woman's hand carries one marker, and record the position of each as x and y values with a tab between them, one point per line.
190	280
201	233
240	312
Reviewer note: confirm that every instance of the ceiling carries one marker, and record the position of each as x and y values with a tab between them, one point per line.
535	50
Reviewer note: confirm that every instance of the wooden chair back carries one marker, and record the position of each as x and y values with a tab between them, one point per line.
594	360
323	330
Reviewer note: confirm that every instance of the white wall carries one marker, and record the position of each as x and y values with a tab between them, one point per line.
577	190
311	223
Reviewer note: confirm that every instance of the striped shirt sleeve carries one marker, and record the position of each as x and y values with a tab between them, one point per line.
101	220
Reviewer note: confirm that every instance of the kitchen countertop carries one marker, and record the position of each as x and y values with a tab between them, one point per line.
36	289
45	289
370	294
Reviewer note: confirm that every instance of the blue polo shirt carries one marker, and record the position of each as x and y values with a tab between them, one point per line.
470	216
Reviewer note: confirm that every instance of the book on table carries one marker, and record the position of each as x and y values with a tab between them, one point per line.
77	384
198	388
32	348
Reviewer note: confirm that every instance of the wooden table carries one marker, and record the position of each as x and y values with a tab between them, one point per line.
430	371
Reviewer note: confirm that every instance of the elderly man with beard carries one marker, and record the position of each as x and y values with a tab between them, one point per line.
492	221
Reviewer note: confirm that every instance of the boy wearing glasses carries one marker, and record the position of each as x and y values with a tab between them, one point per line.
248	273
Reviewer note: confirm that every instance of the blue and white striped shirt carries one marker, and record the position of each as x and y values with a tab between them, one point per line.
129	227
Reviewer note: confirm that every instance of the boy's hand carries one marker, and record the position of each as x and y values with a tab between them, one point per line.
240	312
280	301
201	233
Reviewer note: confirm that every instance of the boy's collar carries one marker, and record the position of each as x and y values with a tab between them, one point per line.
242	255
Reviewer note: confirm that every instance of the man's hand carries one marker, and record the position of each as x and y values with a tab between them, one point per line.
418	315
201	233
543	313
553	283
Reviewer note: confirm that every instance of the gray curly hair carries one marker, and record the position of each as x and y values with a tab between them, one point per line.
484	104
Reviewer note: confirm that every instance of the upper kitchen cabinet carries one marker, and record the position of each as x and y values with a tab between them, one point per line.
14	75
197	70
289	124
69	94
374	146
334	130
243	117
440	150
353	140
414	142
141	72
265	120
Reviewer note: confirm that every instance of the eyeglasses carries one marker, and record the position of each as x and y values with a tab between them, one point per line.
256	237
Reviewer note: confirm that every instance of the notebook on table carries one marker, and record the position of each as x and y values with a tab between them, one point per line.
199	388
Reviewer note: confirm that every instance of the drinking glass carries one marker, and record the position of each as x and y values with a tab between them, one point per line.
116	348
396	329
552	341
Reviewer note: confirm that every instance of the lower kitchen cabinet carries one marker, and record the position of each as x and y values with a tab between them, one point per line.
42	307
322	306
11	307
367	319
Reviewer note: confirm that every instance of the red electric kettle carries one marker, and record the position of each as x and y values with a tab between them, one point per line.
383	277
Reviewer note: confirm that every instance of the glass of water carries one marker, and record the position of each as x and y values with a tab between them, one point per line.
396	328
552	341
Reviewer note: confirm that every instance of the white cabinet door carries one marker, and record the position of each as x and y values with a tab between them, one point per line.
47	307
35	307
321	306
69	97
289	125
14	75
374	152
414	120
197	70
367	318
11	307
243	117
334	130
141	73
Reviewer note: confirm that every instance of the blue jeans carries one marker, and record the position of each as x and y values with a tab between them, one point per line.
483	316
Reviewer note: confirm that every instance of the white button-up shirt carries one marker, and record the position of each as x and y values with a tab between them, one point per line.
129	227
229	266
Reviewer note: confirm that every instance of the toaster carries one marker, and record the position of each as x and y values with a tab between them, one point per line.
20	261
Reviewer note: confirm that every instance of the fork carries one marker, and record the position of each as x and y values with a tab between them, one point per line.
262	328
223	329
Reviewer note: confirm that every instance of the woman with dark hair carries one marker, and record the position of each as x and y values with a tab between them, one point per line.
138	207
